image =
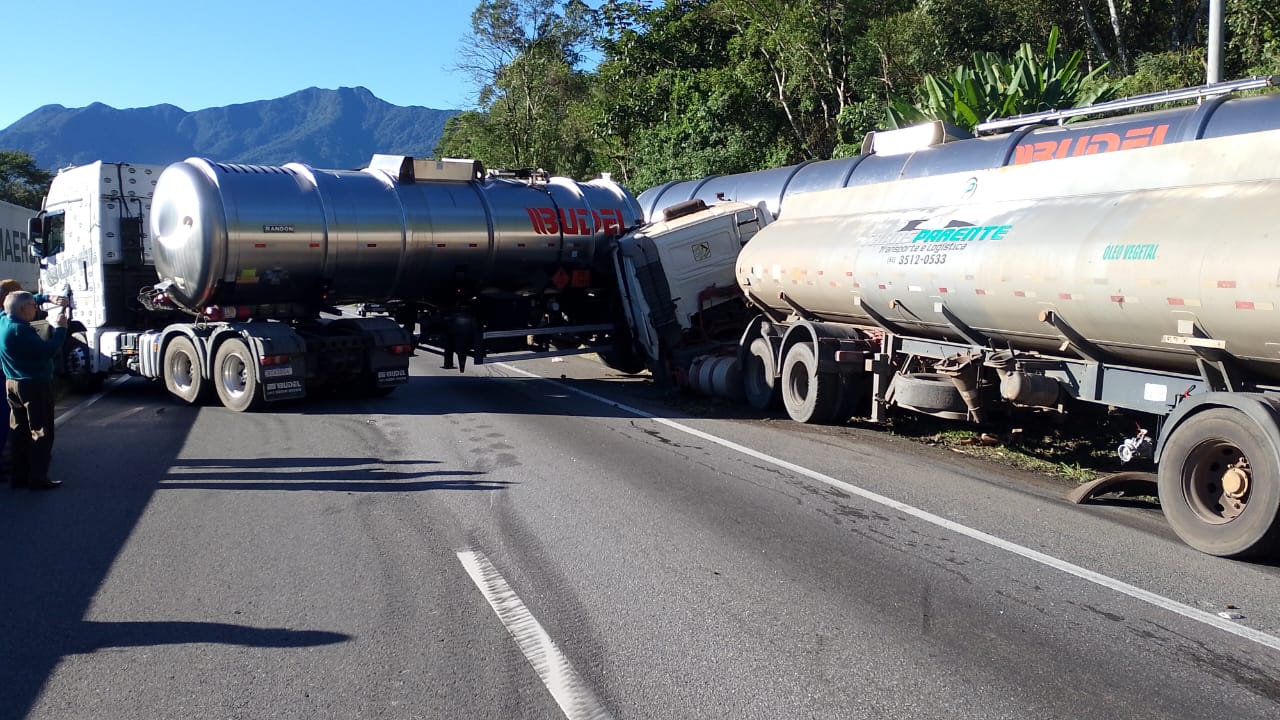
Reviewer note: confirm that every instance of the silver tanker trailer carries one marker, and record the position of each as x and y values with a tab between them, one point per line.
266	344
482	260
253	260
1130	262
516	263
234	289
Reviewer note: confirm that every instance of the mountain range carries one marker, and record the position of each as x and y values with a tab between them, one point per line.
339	128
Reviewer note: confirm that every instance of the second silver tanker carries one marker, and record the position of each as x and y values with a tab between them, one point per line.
1145	280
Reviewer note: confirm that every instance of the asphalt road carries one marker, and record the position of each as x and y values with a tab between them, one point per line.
495	545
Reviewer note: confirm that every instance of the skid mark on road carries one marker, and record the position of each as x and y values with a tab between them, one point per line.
1096	578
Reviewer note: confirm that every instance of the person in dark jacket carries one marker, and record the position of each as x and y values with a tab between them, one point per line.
27	361
7	286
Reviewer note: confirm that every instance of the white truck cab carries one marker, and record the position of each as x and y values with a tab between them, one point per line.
94	249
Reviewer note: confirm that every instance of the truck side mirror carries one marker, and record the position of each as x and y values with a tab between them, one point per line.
45	232
35	235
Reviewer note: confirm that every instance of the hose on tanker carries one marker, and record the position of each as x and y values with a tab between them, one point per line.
154	299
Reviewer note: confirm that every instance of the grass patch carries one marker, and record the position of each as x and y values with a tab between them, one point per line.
1079	447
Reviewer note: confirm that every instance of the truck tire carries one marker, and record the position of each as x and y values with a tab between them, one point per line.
1219	484
809	396
625	359
182	376
234	376
759	376
928	393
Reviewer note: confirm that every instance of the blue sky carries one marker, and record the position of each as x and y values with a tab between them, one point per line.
221	52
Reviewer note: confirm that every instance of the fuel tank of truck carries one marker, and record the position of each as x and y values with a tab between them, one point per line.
1149	254
229	234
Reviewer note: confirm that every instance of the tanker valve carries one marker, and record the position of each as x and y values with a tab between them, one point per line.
1139	446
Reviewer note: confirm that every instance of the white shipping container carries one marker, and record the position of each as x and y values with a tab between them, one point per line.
16	260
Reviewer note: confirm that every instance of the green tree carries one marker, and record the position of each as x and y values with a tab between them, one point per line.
802	50
1156	72
1253	44
992	88
690	88
890	58
504	30
21	181
531	95
673	102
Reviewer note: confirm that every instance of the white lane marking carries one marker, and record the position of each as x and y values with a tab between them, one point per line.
1097	578
84	405
571	693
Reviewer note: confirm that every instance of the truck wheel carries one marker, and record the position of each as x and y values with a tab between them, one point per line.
626	360
78	368
182	371
1219	481
809	396
759	376
234	376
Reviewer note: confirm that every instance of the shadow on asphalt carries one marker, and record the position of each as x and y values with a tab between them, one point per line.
94	636
491	389
311	473
59	546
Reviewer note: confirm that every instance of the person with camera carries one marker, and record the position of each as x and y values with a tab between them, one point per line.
27	362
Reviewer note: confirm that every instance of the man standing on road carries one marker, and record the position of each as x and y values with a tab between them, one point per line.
27	361
7	286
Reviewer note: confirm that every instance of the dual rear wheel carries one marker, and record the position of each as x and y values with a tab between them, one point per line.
233	378
809	396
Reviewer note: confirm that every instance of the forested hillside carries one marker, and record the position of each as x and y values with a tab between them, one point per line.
696	87
338	128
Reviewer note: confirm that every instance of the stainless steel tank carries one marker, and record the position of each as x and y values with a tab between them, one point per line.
1214	117
1144	253
231	234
